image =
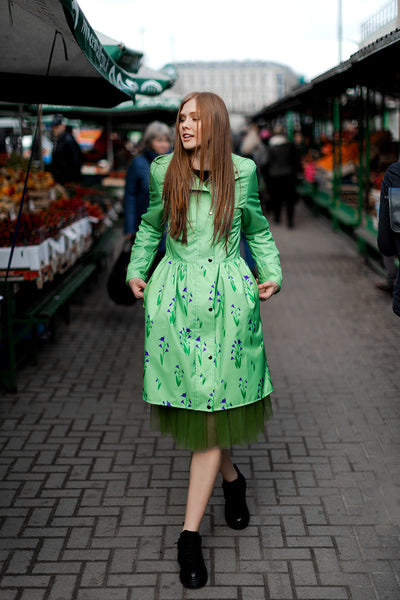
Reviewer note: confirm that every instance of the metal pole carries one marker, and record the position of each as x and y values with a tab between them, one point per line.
340	30
20	127
110	149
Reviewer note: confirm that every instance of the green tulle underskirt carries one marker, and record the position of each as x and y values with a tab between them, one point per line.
198	430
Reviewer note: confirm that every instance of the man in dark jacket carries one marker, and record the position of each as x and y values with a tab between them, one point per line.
67	156
282	169
389	240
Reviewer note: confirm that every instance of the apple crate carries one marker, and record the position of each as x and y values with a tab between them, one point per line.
33	258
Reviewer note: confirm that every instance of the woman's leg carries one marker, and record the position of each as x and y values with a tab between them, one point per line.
204	469
227	469
234	487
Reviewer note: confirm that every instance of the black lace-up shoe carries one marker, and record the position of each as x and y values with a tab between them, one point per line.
193	573
236	512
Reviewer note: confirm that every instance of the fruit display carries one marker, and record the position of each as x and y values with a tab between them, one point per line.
382	153
38	225
349	153
40	184
56	226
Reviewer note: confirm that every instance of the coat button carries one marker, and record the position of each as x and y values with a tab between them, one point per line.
210	260
210	357
209	407
210	309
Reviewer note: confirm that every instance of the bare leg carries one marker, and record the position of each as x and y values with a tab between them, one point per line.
204	469
227	469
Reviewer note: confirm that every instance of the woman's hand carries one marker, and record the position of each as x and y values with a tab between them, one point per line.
267	289
137	286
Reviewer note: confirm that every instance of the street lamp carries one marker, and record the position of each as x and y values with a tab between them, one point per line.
340	30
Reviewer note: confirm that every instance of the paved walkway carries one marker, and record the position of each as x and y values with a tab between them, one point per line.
92	502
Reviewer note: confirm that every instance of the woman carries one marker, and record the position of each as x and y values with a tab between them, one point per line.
205	373
157	139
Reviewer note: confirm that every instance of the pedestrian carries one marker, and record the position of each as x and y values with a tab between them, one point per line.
389	223
66	160
205	371
157	139
282	166
252	147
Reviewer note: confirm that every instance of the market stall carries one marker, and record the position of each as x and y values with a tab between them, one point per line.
52	237
54	56
350	116
127	118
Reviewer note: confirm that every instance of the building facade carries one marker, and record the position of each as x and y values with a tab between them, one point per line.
383	21
245	86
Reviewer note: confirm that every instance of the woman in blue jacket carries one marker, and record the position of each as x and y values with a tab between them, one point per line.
157	139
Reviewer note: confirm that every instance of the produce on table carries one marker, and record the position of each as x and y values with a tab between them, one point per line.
36	226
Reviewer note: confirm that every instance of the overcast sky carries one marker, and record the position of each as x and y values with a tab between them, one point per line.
302	34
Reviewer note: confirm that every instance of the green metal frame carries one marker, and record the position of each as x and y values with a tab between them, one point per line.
14	327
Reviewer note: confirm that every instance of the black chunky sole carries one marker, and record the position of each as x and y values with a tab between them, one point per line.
193	573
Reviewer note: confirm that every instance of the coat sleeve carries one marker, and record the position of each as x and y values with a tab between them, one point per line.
151	228
259	238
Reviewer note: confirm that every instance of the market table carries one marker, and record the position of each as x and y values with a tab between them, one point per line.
25	319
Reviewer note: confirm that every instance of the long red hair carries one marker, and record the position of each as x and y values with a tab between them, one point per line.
215	156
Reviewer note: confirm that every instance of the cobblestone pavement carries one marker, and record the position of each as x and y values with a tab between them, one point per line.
92	502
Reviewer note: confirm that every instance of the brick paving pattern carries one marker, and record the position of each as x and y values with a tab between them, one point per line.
92	502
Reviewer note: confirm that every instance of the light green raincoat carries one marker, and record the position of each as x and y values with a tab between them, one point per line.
204	346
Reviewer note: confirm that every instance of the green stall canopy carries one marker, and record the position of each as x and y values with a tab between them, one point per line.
128	59
50	54
144	109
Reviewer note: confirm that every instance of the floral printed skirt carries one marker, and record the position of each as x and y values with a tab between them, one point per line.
198	430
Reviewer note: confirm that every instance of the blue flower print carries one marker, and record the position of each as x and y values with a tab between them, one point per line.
225	404
172	311
253	326
186	401
178	375
260	389
164	349
218	348
184	339
211	397
211	293
182	271
236	353
187	298
235	312
243	386
160	293
201	347
148	325
219	303
249	287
